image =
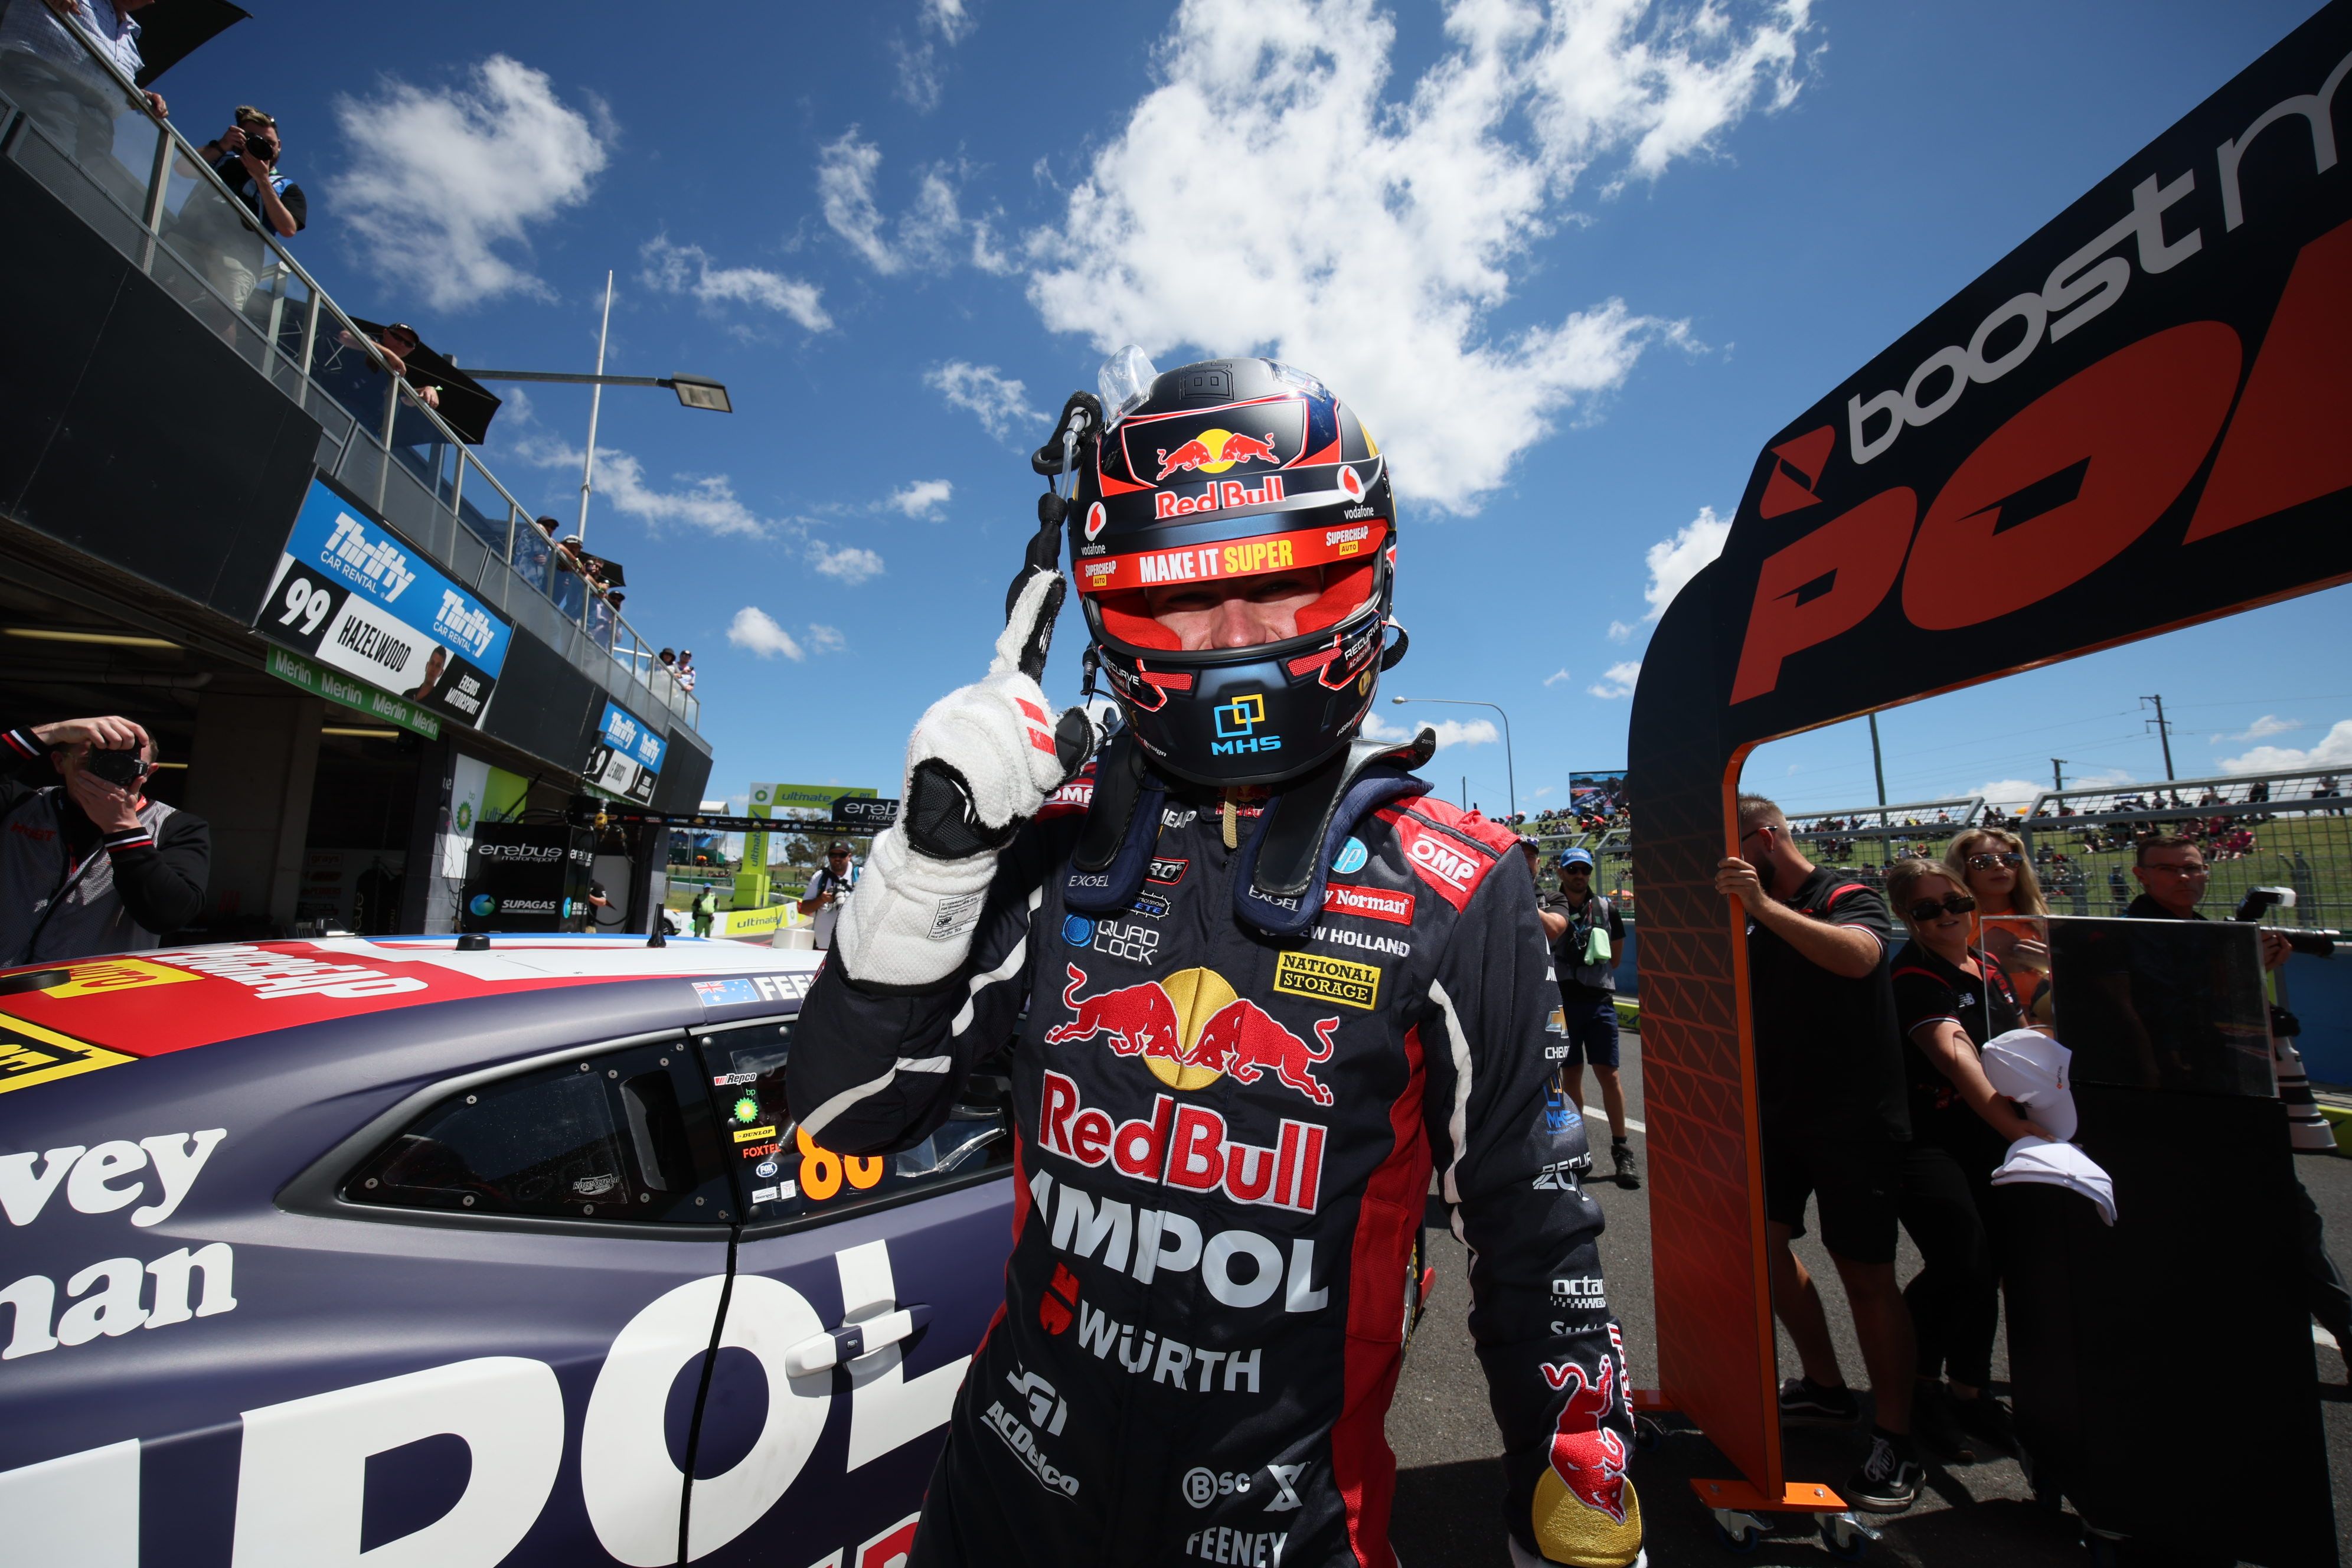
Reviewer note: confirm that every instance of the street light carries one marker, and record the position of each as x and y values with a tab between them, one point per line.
693	392
1510	768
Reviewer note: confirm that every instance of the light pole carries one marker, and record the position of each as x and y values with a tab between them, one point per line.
1510	768
693	392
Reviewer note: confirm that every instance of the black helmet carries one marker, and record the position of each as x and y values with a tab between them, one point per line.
1236	468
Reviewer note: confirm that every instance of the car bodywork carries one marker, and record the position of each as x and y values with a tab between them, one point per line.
332	1250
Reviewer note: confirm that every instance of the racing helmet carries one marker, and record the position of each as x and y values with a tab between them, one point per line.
1225	469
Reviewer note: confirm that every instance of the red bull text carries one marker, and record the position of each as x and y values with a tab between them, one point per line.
1186	1147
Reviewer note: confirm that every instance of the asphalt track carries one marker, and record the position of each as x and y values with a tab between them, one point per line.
1449	1487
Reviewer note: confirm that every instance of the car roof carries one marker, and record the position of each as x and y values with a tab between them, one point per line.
169	999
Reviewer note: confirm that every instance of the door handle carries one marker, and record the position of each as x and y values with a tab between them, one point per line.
850	1341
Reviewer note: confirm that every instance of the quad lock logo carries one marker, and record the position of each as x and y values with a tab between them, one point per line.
1237	724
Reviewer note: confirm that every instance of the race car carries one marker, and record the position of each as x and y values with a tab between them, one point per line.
464	1251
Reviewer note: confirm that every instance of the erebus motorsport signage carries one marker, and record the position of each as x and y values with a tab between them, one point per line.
525	877
627	756
2144	412
364	602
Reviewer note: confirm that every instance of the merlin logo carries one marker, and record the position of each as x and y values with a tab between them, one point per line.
1236	721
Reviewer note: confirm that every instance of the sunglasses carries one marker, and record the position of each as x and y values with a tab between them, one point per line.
1985	862
1928	909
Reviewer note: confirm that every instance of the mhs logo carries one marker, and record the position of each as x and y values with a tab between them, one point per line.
1236	722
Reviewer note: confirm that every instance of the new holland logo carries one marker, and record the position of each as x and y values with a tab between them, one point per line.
1341	979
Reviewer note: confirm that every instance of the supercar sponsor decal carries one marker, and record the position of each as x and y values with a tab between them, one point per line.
116	975
1186	1147
1449	866
1369	942
1167	869
1371	903
1186	445
30	1055
1202	563
1192	1029
1341	979
1046	1411
1147	1243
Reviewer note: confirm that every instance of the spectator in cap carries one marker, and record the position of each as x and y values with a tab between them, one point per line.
826	889
1586	933
685	670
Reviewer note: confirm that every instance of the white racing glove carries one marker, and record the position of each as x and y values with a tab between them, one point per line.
982	761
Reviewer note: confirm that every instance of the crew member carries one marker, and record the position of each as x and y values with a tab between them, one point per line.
1587	970
826	889
1270	983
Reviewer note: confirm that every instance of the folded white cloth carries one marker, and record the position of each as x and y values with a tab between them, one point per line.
2030	1067
2039	1160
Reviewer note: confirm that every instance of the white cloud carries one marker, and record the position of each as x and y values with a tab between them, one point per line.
847	563
924	497
927	235
2010	793
2335	750
1450	731
444	183
827	639
944	23
1381	232
1675	560
999	401
1543	791
687	270
1619	681
2269	725
1557	676
1619	631
707	501
757	630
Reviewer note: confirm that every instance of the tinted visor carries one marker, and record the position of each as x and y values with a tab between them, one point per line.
1347	554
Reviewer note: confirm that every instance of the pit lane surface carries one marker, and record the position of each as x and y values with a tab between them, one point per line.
1449	1486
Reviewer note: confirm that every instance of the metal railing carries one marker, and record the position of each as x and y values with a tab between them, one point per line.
85	134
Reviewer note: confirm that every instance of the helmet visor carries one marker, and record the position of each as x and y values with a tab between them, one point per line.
1121	589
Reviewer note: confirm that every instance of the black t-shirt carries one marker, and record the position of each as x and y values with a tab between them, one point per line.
1928	987
1829	1058
231	169
1580	982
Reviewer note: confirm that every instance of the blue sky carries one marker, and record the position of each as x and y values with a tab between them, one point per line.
1572	264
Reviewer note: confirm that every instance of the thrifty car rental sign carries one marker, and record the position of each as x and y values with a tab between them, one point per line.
360	600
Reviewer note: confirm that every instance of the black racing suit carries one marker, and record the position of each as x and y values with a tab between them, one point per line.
1225	1143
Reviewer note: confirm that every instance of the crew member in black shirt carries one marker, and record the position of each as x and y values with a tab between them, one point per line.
1951	998
1588	994
1831	1093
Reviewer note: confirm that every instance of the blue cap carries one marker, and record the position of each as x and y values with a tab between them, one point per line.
1575	858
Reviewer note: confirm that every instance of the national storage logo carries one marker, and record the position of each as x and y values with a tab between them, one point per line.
1341	979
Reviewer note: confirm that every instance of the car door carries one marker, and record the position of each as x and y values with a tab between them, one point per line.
860	1290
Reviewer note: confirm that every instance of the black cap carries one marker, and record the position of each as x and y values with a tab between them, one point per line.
839	846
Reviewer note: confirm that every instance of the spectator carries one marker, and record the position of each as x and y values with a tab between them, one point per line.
59	898
1989	864
668	660
1951	998
822	896
602	613
686	671
706	910
534	552
2172	871
49	74
216	239
1829	1082
569	581
1587	935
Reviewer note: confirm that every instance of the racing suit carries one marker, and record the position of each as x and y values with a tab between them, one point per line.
1223	1146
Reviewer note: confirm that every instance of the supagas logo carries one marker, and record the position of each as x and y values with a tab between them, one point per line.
482	904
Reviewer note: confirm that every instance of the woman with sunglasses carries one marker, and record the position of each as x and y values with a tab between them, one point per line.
1993	867
1950	999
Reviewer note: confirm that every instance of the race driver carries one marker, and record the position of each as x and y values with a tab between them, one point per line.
1263	985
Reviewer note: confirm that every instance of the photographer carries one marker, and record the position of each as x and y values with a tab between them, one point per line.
61	898
217	239
826	889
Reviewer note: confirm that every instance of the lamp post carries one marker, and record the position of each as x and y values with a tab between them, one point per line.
693	392
1510	769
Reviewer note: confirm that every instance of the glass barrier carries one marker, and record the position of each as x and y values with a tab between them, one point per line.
87	136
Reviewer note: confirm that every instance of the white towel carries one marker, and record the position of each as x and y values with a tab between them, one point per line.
2038	1159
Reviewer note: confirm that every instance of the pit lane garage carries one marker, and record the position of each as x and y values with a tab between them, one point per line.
318	1250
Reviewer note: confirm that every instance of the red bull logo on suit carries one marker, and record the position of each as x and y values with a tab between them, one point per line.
1192	1029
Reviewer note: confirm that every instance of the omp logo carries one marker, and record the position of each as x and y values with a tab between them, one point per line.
1242	715
1455	870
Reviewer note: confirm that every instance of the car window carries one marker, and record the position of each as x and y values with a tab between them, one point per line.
781	1173
613	1135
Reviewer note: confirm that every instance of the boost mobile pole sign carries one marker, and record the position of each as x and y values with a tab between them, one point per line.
361	601
2138	419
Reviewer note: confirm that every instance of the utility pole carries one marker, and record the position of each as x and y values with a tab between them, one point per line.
1878	767
595	402
2058	774
2164	734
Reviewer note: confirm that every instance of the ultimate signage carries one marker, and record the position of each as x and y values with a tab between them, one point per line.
361	601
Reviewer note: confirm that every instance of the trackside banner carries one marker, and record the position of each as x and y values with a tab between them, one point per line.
361	600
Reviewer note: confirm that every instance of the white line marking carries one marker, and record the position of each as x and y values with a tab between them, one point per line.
1595	1113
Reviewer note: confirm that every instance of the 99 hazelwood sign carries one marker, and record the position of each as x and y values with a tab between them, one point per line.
2140	419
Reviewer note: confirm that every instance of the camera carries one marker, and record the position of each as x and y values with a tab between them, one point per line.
262	145
2311	941
125	769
